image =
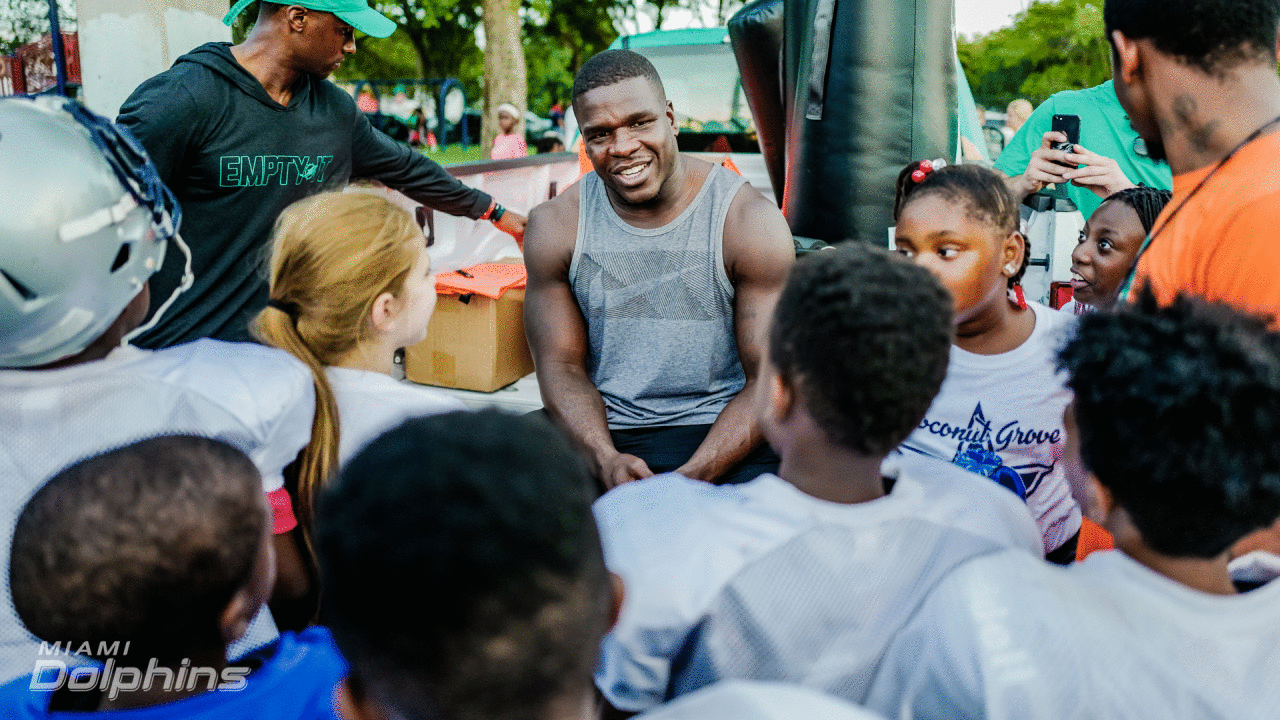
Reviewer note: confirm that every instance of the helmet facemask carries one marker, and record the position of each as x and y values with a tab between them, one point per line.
86	223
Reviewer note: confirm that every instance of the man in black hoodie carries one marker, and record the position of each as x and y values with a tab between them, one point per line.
240	132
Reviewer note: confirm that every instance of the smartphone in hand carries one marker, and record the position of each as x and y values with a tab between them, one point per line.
1068	125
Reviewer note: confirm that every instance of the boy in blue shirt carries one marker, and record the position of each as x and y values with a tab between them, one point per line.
151	559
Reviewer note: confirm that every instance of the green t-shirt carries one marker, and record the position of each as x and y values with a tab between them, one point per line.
1104	129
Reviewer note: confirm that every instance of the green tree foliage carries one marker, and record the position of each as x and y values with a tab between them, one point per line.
706	13
1052	46
435	39
382	59
559	36
22	21
442	33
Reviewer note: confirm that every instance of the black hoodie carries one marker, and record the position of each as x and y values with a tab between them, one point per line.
235	158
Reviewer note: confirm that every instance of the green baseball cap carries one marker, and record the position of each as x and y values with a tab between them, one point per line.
355	13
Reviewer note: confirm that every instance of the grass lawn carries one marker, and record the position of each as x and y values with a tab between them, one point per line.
454	154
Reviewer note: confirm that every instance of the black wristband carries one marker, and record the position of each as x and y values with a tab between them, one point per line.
497	214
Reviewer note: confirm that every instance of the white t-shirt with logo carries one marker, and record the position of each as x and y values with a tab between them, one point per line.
255	398
1003	412
681	544
1006	638
371	403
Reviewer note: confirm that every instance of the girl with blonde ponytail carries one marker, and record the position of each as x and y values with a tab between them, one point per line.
351	282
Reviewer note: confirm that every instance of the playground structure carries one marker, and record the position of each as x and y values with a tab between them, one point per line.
118	45
441	101
42	65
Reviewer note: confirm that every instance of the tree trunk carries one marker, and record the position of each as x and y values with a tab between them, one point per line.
504	69
414	31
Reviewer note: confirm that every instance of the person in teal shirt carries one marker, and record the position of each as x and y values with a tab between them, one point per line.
1110	155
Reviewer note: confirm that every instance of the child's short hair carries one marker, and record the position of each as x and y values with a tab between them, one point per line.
332	256
493	509
1147	203
1178	410
147	544
982	191
865	336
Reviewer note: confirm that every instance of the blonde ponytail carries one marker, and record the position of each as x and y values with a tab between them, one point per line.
332	255
319	460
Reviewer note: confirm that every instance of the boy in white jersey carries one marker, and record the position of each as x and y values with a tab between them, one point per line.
83	224
498	512
858	348
1172	447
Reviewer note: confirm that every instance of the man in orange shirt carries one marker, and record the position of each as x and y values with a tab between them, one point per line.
1198	79
1199	82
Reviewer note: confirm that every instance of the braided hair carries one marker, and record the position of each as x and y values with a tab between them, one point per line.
982	191
1147	203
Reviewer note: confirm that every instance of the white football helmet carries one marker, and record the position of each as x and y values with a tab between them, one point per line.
84	222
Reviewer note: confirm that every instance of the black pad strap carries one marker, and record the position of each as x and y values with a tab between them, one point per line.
823	26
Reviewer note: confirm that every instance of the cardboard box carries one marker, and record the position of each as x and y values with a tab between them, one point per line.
474	345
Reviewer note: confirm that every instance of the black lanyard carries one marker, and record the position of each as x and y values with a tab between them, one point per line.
1127	287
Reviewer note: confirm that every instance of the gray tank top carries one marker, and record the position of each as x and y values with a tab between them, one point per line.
659	308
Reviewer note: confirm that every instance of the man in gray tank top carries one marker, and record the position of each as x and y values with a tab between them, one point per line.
650	285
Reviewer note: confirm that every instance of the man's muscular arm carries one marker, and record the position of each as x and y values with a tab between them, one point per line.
558	340
758	253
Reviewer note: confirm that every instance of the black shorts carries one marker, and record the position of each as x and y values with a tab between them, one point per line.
666	448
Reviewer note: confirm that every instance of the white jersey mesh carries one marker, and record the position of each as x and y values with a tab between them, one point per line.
1108	639
253	398
820	610
678	543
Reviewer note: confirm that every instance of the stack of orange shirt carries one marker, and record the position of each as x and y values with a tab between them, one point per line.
489	280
